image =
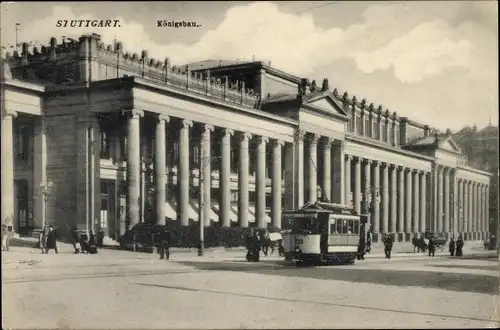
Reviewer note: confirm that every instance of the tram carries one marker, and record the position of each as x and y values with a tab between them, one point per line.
322	234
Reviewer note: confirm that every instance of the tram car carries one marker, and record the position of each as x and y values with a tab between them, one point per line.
322	234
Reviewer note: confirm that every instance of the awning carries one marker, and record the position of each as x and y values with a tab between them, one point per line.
170	211
213	216
192	214
232	215
254	215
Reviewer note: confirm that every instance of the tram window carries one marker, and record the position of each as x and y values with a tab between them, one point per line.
333	228
339	226
350	228
356	227
344	227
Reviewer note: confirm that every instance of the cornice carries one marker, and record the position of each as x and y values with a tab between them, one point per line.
23	85
316	110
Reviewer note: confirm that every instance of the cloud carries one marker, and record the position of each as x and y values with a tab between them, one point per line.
293	42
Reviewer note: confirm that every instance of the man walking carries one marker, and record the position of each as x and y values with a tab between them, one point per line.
388	246
74	239
451	247
431	247
460	245
164	245
51	242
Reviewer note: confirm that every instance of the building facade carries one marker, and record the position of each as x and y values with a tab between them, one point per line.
123	139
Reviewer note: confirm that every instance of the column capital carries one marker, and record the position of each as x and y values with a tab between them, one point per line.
244	136
261	139
278	143
186	123
227	131
7	113
205	128
299	135
408	169
416	170
163	119
327	141
367	161
313	138
377	163
348	157
133	113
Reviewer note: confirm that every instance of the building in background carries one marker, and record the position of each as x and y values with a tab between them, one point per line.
125	139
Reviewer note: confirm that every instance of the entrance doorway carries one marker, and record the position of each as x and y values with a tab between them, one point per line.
22	223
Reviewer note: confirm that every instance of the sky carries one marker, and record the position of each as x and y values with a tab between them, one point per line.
434	62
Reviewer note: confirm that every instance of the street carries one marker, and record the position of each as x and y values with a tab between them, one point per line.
120	289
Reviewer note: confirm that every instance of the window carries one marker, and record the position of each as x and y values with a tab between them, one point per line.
384	131
123	147
375	132
397	135
21	143
359	125
333	227
391	135
367	127
105	145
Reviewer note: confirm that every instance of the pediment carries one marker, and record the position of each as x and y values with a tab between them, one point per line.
327	103
449	145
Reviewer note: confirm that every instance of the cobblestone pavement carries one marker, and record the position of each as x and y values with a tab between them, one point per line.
119	289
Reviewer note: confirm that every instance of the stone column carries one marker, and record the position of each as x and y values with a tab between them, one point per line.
39	171
299	172
326	146
460	215
454	204
408	200
260	182
357	186
367	191
311	167
440	205
473	204
468	208
376	197
206	162
338	188
416	201
276	184
423	200
394	199
401	200
348	193
487	209
484	203
183	173
478	214
385	198
446	197
8	167
134	167
225	178
243	180
160	168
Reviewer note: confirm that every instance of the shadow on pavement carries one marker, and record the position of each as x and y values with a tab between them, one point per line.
310	302
479	267
436	280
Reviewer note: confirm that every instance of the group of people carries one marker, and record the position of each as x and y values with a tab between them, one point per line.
48	240
455	247
88	243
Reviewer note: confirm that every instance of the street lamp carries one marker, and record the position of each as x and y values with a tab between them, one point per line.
45	190
205	161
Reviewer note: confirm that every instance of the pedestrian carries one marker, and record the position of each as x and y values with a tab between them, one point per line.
431	247
7	233
74	239
368	241
388	246
164	245
361	247
100	238
92	247
459	245
51	240
451	247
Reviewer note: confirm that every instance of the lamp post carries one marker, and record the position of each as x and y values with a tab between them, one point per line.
45	190
205	161
149	189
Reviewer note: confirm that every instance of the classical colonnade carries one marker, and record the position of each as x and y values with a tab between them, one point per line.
399	199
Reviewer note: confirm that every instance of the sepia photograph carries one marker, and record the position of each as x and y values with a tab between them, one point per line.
250	165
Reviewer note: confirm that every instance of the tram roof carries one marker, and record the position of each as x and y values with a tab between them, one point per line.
322	206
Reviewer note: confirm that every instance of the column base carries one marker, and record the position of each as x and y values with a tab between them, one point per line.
375	237
400	237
